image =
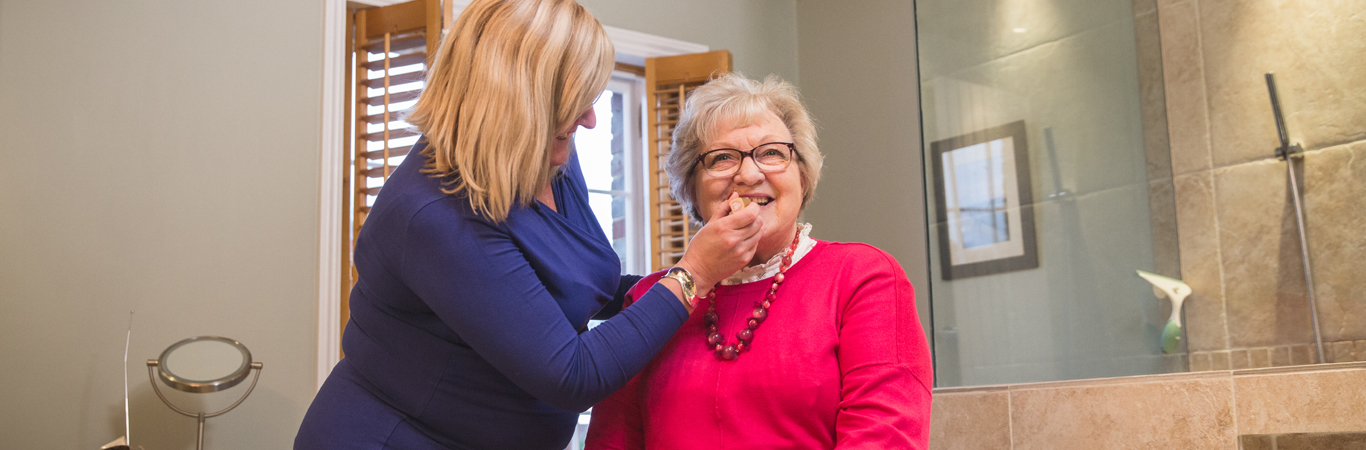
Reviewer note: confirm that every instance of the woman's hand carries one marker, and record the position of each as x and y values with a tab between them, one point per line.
724	245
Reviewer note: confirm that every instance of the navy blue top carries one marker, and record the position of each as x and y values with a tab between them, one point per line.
466	333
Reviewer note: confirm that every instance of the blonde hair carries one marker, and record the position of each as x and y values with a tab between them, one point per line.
508	76
738	101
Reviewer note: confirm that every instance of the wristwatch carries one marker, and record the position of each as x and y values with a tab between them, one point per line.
685	279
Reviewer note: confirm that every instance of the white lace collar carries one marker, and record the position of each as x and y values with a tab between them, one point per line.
761	271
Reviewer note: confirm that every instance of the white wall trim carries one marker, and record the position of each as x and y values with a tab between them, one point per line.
632	48
330	187
383	2
456	6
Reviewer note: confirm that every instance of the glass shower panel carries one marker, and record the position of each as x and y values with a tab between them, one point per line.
1049	187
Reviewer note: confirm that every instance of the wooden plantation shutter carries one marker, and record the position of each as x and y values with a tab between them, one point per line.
669	80
382	41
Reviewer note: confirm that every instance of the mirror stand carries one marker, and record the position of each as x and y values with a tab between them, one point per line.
196	384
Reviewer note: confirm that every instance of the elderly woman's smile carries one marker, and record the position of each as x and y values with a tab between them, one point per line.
756	161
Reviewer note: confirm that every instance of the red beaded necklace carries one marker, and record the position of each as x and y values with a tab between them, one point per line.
724	350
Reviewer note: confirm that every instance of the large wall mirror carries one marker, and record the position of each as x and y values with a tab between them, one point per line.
1070	78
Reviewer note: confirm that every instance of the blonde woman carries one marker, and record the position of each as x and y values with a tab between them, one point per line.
481	263
814	345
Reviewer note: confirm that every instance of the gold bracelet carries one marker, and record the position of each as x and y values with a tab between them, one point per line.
685	281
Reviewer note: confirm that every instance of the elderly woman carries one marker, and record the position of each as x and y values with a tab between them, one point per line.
481	263
814	345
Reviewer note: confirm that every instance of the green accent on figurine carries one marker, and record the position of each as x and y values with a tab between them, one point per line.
1176	290
1171	337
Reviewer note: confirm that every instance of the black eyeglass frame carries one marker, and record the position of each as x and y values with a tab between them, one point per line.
791	148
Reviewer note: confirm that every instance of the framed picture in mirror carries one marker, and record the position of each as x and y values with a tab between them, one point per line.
984	212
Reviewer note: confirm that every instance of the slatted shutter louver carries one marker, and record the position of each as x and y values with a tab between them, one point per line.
389	46
670	79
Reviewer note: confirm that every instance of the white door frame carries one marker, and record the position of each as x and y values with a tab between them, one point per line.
632	48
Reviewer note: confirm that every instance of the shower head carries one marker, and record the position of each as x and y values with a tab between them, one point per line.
1286	148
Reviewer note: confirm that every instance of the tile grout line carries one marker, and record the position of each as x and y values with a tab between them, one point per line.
1214	190
1233	399
1010	417
1346	146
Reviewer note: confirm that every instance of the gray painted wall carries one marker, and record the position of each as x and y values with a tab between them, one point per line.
159	156
858	77
760	34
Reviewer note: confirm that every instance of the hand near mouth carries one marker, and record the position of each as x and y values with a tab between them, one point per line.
725	244
736	202
744	201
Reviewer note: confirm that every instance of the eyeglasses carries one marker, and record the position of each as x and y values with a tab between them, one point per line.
770	157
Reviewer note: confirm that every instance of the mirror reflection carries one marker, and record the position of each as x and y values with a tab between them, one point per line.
204	360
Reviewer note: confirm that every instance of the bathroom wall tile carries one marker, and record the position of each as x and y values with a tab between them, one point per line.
1162	222
1219	360
1280	356
1312	48
1317	401
1302	354
970	421
1198	239
1183	73
1238	359
1259	246
1200	362
1256	442
1335	208
1165	5
1176	363
1321	441
1185	414
1259	357
1152	95
1341	351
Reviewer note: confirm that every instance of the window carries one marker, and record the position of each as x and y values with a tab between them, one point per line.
613	165
406	79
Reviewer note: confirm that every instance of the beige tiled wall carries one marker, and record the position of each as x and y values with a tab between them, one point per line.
1193	411
1301	402
1239	245
1277	356
978	419
1238	240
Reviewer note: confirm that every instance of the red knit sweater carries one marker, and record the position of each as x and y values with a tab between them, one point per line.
841	362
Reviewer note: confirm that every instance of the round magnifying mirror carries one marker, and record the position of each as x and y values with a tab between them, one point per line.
204	364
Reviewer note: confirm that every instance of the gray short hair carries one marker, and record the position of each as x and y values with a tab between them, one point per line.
733	97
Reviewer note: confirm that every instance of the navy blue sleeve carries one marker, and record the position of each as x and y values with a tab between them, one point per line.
478	282
614	306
